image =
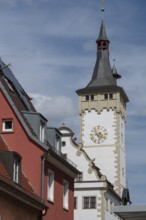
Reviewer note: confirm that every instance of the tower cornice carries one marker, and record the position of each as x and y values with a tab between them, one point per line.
103	89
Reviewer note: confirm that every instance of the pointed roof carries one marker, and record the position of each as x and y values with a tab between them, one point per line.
103	78
116	75
102	74
102	33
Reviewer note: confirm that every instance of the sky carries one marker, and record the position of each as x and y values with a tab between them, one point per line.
51	46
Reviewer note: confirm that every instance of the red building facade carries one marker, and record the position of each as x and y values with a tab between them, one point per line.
25	132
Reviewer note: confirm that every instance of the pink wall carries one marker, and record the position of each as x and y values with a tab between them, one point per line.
31	164
56	210
19	141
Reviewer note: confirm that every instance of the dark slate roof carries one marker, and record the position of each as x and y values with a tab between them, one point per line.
17	95
102	33
18	89
116	75
102	74
103	77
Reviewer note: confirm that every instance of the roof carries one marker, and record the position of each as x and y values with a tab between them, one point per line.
19	101
15	92
132	212
102	33
25	189
104	78
102	74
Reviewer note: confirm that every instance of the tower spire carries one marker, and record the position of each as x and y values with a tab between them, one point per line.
102	74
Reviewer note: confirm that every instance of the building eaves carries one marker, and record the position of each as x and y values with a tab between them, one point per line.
60	161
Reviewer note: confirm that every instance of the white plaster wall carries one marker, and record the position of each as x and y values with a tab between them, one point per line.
80	161
85	214
122	154
92	119
104	159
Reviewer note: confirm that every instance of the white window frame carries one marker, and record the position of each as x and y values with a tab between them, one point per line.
50	190
65	194
16	169
42	131
4	128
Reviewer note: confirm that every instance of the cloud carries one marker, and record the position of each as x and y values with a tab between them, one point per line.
57	110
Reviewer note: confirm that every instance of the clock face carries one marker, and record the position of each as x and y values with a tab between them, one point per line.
98	134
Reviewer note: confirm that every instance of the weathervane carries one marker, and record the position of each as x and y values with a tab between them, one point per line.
102	8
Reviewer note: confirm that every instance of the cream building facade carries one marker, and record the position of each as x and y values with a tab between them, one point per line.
101	154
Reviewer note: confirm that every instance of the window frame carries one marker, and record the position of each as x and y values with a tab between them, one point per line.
87	202
16	170
42	131
50	186
79	177
65	194
4	129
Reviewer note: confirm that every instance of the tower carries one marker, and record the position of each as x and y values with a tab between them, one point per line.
102	109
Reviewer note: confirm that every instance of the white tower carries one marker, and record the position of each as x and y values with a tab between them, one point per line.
102	108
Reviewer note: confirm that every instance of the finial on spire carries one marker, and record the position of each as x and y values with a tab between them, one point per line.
114	60
102	8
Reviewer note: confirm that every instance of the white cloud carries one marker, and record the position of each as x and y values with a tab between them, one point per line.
55	109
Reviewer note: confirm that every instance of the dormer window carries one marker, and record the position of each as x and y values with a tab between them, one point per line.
42	131
7	125
16	170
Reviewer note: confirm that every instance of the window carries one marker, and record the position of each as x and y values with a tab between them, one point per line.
65	194
89	97
16	169
105	96
110	96
75	202
42	131
63	143
79	177
89	202
51	186
7	125
92	97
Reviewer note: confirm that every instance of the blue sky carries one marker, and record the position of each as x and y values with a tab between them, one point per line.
51	46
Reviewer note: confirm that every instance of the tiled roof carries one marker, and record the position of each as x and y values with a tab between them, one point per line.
25	186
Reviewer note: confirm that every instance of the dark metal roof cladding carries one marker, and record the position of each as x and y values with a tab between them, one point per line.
16	93
102	33
102	74
20	91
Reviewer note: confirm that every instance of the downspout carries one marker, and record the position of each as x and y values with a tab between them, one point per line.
42	177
